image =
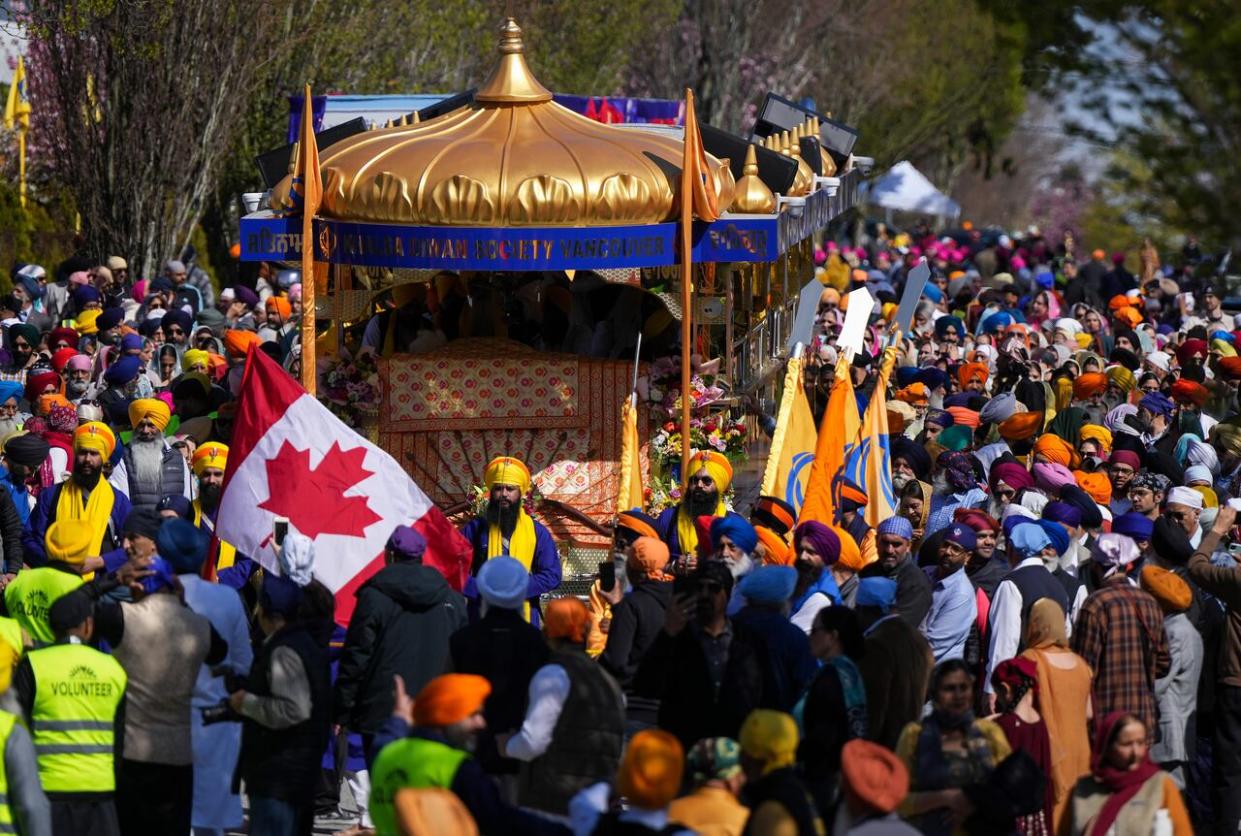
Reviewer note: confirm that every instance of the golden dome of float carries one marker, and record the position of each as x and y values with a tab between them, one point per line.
511	158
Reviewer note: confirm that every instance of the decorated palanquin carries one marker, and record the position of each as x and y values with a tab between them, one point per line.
444	415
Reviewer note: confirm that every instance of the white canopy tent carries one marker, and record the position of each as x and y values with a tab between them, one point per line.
905	189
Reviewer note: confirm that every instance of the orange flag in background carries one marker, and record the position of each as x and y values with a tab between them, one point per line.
838	433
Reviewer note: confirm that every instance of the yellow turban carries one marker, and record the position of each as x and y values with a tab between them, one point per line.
96	436
1098	434
152	408
1121	378
86	322
716	465
850	554
1210	499
1083	339
506	470
771	737
1166	587
68	541
1224	348
213	455
195	357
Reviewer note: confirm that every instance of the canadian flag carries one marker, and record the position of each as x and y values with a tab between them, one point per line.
291	457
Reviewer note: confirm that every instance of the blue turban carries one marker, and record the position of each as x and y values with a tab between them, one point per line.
33	289
10	389
1057	534
1158	403
932	292
131	342
279	595
1137	526
123	371
940	418
962	535
183	545
997	321
999	409
735	528
178	504
932	377
877	592
176	317
946	322
1045	279
1092	517
502	583
906	375
897	527
1029	539
1063	512
84	294
163	577
769	584
1226	336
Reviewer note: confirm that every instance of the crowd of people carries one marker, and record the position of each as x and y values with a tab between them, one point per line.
1043	638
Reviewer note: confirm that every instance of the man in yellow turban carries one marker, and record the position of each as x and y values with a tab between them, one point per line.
85	499
505	528
209	463
779	799
196	360
710	474
150	468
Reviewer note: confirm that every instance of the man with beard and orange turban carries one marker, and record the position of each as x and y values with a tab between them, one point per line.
1089	385
1053	449
506	529
150	468
972	377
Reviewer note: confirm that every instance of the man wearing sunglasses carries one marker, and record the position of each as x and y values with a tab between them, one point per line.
1184	508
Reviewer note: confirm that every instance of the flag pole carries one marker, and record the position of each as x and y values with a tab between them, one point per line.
21	164
687	289
309	375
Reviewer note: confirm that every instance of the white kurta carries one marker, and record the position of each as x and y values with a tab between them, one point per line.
216	747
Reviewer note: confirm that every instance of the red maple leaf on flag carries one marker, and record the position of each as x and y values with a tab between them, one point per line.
314	499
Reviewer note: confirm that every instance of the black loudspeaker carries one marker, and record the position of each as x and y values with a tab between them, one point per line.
810	153
274	164
447	105
779	114
776	170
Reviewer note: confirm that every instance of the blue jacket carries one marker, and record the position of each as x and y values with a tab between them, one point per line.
44	514
545	568
789	664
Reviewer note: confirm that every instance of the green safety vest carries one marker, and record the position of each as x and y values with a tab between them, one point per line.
31	594
11	632
77	692
6	815
412	762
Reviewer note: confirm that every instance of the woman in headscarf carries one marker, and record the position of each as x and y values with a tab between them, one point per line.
948	751
916	507
1063	701
1016	684
1125	791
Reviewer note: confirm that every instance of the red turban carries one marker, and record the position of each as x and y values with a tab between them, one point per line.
1186	392
61	358
1127	457
1230	367
975	519
1190	350
1011	474
37	383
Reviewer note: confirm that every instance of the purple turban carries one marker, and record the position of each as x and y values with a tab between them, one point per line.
820	538
1052	477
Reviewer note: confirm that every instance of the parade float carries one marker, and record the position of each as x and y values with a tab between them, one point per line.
517	201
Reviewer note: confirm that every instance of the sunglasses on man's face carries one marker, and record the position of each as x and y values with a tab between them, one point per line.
175	331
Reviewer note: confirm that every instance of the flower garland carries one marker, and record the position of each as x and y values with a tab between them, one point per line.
351	389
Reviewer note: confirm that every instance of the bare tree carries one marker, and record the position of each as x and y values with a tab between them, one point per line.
138	101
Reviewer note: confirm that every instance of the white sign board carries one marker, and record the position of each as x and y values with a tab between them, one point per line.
915	282
861	303
807	309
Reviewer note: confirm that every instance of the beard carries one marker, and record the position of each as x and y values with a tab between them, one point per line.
503	515
939	485
76	389
740	568
900	480
86	477
700	503
148	459
9	425
209	495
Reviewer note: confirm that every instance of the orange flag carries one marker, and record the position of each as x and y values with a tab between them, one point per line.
838	433
307	191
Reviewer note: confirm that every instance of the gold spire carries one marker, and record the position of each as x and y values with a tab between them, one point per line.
511	80
414	119
752	197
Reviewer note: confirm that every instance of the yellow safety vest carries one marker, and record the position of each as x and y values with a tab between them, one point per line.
409	762
77	692
31	594
6	814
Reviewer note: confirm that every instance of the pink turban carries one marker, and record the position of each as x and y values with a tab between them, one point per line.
1052	477
79	363
80	277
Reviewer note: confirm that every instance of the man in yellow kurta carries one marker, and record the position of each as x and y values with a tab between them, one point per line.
506	528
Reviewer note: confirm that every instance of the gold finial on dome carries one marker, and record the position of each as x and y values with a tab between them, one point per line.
752	197
511	81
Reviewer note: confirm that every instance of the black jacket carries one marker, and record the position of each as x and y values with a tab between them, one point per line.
674	672
913	590
507	650
401	625
636	621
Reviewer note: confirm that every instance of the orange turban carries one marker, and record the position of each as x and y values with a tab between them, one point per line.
1187	392
1021	426
970	372
627	519
964	416
1056	450
566	618
1119	302
650	556
280	305
915	393
1130	316
1089	384
1230	366
873	775
237	342
1166	587
49	400
451	698
650	770
775	550
1096	486
850	554
152	409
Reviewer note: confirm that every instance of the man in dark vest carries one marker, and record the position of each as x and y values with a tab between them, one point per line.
574	728
286	711
1029	581
150	468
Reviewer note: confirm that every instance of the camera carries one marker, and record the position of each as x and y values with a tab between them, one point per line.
221	712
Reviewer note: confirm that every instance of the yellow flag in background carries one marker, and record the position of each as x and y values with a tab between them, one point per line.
17	108
630	493
870	461
793	443
837	434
